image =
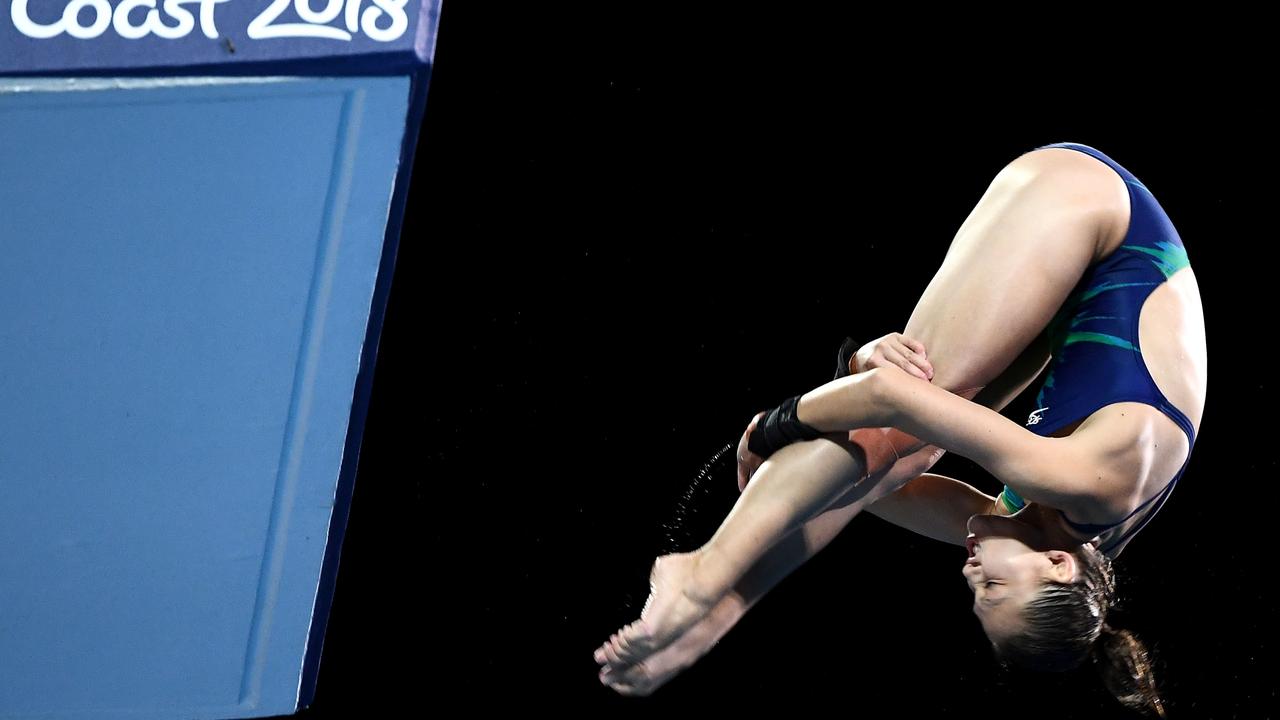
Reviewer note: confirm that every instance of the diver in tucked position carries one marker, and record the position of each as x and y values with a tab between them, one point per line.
1068	261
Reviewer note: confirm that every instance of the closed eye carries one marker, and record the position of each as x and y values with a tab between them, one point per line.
987	597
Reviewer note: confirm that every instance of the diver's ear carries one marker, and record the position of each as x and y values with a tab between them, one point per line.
1063	566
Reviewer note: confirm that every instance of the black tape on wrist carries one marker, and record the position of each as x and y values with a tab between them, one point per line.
843	358
778	428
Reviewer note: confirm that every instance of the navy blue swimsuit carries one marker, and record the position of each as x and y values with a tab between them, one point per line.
1096	360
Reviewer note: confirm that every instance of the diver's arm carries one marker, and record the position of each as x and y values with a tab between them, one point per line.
1064	473
935	506
927	504
939	507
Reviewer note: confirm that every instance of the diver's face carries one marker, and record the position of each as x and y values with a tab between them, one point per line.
1008	562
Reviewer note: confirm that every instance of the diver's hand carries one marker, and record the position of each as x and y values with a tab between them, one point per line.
748	462
893	349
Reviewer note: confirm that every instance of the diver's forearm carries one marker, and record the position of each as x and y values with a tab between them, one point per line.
845	404
934	506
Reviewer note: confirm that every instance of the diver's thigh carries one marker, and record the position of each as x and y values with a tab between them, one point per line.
1013	262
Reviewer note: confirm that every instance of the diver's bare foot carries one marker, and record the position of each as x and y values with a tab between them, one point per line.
642	678
676	603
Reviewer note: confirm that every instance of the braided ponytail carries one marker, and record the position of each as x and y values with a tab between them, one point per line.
1125	667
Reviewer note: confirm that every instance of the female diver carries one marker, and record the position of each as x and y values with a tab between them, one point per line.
1068	261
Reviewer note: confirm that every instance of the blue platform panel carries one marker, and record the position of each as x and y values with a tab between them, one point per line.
187	267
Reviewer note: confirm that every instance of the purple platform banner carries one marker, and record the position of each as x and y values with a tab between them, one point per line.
166	36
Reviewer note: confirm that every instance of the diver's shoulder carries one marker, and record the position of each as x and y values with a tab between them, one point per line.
1120	442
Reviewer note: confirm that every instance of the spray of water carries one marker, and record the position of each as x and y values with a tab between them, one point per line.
679	533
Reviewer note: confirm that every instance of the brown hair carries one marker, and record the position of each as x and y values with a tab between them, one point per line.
1065	624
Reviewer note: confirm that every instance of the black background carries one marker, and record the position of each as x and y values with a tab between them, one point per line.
630	231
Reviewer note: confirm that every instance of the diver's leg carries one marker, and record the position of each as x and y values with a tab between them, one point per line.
781	560
1044	218
797	548
1013	262
1011	266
